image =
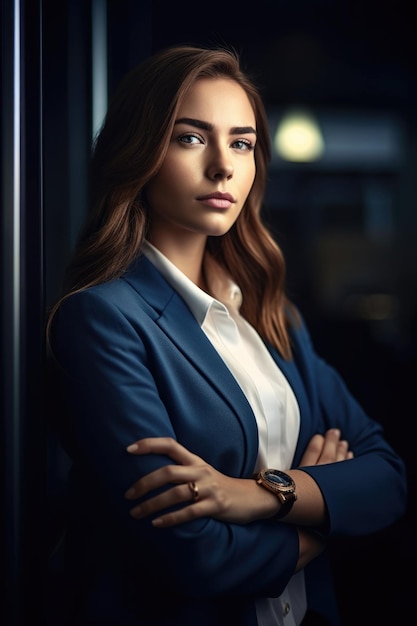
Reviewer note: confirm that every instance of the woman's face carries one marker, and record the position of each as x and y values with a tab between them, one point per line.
209	168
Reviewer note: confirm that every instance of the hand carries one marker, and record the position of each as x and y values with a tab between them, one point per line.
219	496
327	448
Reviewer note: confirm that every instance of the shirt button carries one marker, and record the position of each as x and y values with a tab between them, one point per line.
286	608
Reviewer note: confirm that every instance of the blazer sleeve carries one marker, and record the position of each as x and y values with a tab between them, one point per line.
369	492
114	399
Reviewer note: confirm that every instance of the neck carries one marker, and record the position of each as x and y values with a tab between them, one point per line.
186	254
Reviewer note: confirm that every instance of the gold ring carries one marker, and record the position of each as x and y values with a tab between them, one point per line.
194	490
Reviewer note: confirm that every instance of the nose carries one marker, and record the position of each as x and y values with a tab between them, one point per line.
220	164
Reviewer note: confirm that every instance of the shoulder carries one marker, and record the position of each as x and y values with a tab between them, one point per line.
298	330
141	287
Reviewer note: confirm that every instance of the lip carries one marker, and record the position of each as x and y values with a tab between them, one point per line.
218	200
218	194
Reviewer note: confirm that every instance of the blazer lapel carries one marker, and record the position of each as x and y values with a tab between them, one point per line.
174	317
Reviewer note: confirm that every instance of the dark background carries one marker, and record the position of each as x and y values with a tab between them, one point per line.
347	224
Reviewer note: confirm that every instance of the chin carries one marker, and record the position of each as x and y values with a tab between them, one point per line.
217	230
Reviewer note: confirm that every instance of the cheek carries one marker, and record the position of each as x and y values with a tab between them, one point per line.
249	177
161	185
174	175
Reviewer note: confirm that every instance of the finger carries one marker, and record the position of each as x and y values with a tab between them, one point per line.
172	497
163	476
330	446
334	448
313	450
164	445
342	450
186	514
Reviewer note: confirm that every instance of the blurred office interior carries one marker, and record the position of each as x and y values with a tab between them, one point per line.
339	80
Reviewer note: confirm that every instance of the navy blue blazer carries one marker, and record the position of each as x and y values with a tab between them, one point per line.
136	364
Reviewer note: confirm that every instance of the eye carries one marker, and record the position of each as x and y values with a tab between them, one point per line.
243	144
190	138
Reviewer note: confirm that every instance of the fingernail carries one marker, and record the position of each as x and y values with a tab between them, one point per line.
130	493
136	512
133	447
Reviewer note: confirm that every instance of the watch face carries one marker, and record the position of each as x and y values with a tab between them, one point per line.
278	478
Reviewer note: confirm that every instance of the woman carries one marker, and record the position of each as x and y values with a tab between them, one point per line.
187	371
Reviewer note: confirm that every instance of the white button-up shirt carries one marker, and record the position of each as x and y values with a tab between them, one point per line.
266	388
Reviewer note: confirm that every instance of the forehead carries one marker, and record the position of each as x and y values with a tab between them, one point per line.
218	100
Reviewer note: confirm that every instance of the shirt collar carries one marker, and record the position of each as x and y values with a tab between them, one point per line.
225	290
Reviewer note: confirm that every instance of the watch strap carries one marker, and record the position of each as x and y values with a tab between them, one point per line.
285	507
285	493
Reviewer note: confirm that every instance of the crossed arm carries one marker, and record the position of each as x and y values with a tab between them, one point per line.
238	500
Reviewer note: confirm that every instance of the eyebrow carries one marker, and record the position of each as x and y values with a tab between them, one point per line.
235	130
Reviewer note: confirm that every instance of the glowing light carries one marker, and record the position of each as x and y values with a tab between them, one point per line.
298	137
99	63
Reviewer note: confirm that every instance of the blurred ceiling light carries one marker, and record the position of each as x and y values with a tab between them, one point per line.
298	137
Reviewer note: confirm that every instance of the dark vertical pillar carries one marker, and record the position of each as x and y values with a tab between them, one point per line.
23	437
46	97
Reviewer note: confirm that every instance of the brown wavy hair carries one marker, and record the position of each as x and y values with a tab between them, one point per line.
129	150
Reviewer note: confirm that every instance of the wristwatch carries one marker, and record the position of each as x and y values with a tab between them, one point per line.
282	485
